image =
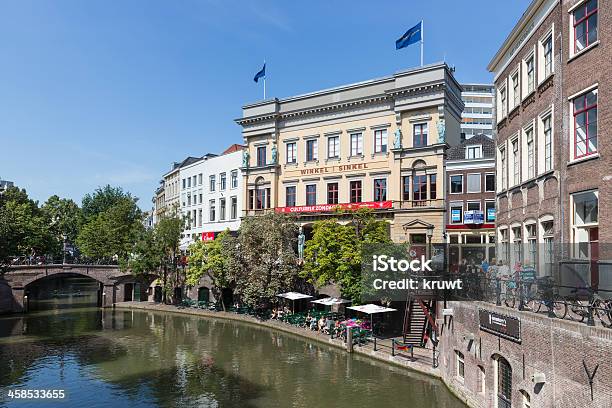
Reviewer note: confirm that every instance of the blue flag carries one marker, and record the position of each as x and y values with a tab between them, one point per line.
260	74
410	37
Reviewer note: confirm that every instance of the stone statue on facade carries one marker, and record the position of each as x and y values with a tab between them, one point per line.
245	158
397	141
274	154
301	242
441	125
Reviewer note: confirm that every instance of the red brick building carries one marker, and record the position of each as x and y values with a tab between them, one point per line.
470	200
554	162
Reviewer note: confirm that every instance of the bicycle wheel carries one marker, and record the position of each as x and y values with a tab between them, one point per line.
576	310
510	300
601	311
559	307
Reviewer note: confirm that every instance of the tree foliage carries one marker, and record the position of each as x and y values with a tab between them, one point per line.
334	254
212	259
24	230
65	219
265	260
105	198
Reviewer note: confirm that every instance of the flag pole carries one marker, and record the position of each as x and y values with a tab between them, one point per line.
422	39
264	81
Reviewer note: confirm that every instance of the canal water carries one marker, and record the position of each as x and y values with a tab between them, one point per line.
120	358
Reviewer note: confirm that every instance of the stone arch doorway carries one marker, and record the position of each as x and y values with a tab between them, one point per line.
203	294
502	384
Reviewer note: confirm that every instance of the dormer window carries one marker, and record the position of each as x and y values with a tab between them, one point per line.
473	152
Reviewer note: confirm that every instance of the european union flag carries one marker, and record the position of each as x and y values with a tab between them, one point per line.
260	74
410	37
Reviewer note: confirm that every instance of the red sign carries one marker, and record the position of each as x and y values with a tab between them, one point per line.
208	236
374	205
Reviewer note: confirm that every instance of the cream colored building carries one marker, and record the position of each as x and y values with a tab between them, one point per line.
377	144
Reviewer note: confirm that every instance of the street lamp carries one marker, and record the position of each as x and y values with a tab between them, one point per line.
430	231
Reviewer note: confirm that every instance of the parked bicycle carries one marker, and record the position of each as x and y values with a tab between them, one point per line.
579	309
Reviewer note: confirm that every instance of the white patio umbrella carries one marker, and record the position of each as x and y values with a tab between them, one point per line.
330	301
293	296
371	309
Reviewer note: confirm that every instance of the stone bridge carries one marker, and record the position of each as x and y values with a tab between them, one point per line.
115	285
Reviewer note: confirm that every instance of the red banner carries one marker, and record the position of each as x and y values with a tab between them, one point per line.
373	205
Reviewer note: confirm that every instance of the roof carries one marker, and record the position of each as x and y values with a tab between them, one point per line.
458	152
233	148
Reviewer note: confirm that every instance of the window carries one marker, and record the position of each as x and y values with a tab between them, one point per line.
290	196
311	194
547	128
234	208
530	153
200	195
585	25
195	181
585	124
332	193
221	208
548	234
333	147
200	179
490	182
460	365
518	247
199	218
432	187
291	152
261	156
380	141
490	211
473	152
212	182
355	191
502	156
515	163
356	144
548	56
585	224
223	181
516	93
530	68
456	213
532	248
188	182
380	189
456	183
419	188
503	101
184	183
419	135
312	150
406	188
504	383
234	179
262	198
473	183
473	206
212	210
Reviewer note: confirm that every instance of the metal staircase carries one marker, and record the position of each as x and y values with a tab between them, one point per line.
417	319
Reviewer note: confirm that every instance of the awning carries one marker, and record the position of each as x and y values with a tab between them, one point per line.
330	301
371	309
294	296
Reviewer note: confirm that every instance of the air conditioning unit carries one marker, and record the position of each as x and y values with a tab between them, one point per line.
538	378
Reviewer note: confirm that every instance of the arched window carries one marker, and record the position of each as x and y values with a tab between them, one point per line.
481	380
526	399
504	383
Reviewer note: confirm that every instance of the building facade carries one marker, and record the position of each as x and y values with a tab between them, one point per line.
470	200
211	195
5	185
377	144
477	116
553	162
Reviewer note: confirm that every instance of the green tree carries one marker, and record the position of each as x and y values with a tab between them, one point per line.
168	237
146	255
105	198
265	262
212	259
65	219
24	230
110	234
334	254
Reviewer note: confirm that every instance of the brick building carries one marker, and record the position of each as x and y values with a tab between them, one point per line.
470	200
553	160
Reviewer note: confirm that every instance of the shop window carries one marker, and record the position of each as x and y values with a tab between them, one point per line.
490	211
456	213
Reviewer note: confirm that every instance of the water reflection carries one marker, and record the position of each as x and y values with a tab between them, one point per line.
121	358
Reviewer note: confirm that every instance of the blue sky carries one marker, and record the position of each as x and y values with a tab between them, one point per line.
97	92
